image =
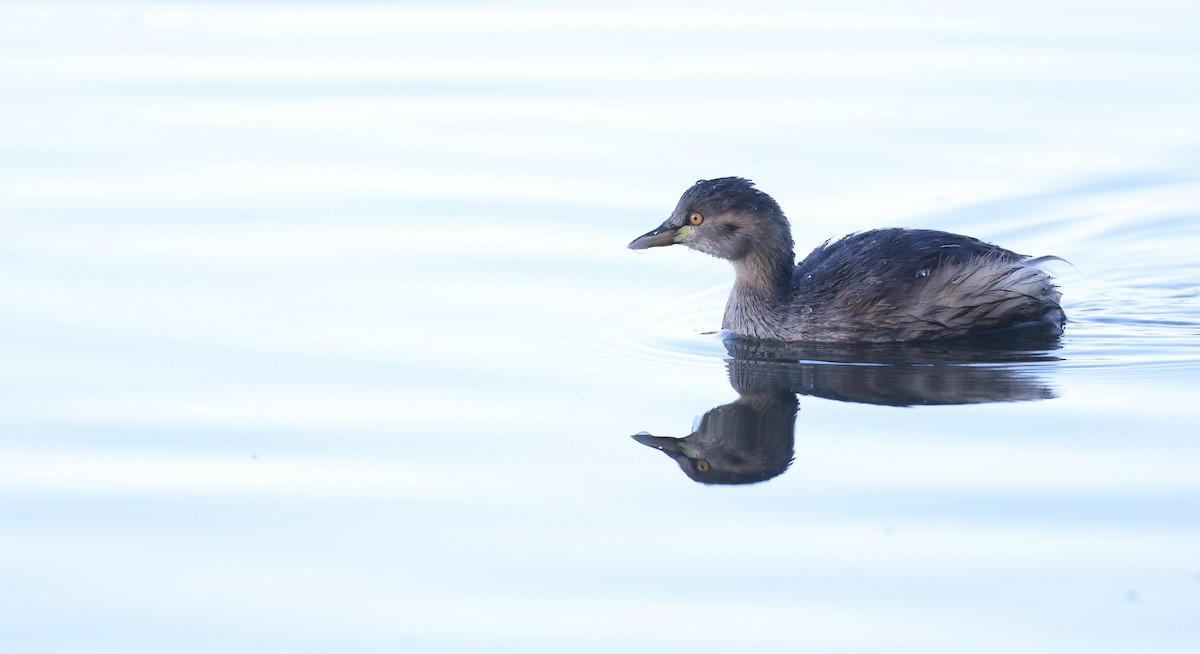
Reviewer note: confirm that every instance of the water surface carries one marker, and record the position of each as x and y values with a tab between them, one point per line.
319	333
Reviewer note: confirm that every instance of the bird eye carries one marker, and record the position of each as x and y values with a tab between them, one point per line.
702	464
695	218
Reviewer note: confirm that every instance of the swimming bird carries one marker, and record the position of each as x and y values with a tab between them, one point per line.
878	286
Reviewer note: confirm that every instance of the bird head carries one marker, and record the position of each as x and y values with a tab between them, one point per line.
727	218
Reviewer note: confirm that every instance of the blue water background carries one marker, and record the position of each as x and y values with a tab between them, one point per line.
318	333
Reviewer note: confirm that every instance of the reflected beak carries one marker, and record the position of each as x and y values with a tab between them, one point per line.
656	238
671	446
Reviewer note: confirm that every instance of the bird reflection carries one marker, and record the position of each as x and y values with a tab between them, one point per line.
753	438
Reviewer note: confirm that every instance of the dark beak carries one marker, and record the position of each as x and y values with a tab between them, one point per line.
671	446
657	238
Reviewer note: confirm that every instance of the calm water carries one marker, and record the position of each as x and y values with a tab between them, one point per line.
319	333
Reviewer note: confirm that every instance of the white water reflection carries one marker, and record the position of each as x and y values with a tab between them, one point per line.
317	329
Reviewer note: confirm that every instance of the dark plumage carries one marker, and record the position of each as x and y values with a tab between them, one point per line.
885	285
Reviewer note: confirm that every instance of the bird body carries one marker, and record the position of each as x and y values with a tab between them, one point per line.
884	285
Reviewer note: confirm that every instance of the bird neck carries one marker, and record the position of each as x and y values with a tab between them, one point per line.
765	273
756	306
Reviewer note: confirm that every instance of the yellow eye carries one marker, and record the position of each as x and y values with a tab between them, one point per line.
702	464
695	218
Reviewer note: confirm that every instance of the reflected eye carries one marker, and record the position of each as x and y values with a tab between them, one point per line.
695	218
702	464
